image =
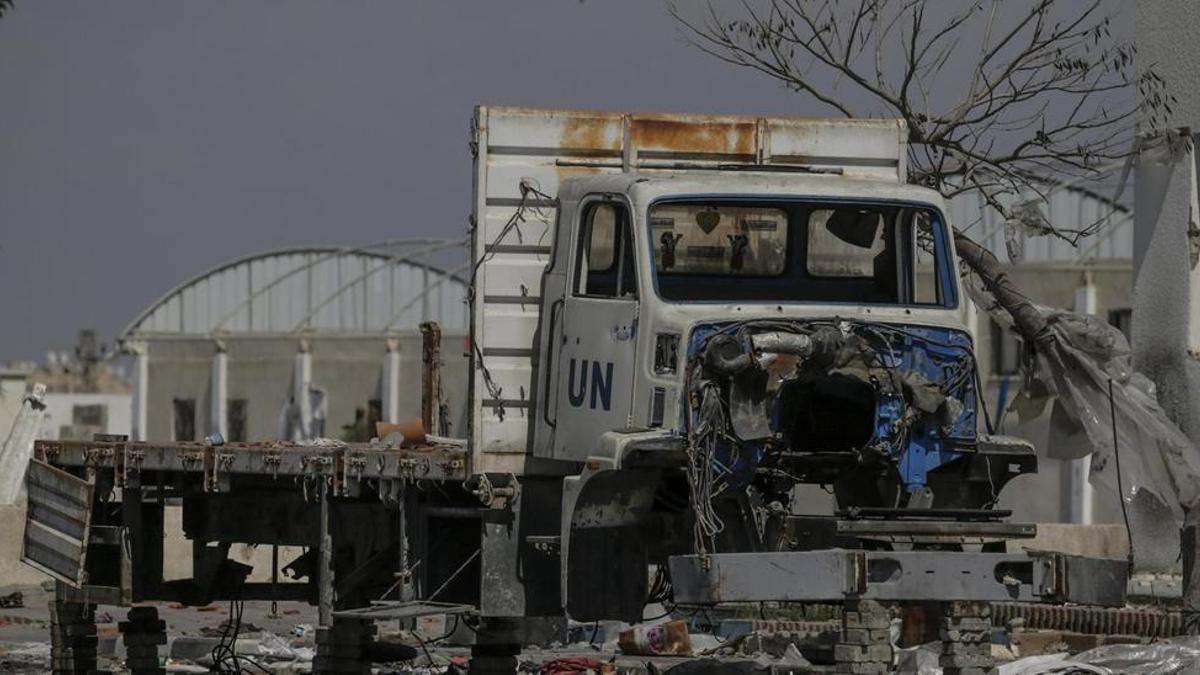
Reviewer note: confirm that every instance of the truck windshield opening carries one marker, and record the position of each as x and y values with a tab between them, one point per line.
875	253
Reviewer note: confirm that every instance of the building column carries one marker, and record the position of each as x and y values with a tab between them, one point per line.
1079	472
141	387
1166	277
390	387
218	417
301	382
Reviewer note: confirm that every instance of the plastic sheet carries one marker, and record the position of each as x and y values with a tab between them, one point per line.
1168	657
1049	664
1076	358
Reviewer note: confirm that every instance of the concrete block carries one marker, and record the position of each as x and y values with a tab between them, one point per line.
966	661
865	636
844	653
868	620
869	668
962	609
955	648
966	623
1099	541
960	635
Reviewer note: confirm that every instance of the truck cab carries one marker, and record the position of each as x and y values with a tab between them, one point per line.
727	308
647	270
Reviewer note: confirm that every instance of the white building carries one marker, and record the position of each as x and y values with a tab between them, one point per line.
297	343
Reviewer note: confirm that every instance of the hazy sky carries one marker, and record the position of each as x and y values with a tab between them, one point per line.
143	142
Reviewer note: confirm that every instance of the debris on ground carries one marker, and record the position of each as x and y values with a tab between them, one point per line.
571	664
225	627
1174	656
657	639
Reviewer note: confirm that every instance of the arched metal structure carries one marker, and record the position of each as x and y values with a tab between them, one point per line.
361	290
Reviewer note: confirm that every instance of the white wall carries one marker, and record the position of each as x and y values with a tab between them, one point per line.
60	409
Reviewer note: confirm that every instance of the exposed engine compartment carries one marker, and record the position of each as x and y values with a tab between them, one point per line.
830	401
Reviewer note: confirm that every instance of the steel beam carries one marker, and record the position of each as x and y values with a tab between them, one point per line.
836	574
325	563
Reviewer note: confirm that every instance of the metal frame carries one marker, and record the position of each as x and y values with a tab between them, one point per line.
346	468
133	330
839	574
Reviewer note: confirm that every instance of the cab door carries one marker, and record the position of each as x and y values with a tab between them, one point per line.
597	354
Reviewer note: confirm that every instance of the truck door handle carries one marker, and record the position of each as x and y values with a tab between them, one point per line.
550	366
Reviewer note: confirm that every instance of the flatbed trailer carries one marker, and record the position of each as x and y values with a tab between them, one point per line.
262	478
346	512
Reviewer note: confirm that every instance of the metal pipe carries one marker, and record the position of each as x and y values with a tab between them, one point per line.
325	565
782	342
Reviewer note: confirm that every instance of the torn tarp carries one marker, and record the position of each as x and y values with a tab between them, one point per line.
1175	656
1076	357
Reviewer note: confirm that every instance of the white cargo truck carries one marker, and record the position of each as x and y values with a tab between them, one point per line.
676	321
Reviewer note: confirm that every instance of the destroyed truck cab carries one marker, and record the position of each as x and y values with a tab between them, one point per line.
687	317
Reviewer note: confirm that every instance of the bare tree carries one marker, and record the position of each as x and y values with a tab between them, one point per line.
1000	98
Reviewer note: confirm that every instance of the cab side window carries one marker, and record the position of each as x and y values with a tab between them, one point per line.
604	265
926	274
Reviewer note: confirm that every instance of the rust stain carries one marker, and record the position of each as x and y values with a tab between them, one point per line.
693	135
587	132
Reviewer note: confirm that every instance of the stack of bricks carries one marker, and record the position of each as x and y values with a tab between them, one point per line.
966	634
340	647
865	647
142	633
72	638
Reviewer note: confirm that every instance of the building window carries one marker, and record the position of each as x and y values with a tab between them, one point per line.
90	416
235	420
1122	319
1006	350
185	419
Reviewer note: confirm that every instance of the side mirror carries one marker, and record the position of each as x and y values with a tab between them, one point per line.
857	227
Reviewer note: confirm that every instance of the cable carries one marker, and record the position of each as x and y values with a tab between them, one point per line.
447	634
665	614
1112	413
461	567
513	224
428	658
225	658
595	630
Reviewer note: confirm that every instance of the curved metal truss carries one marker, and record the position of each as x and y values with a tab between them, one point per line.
380	287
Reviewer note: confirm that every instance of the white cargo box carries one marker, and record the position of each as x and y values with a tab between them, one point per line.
539	148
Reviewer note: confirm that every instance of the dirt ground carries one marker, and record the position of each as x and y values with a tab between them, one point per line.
25	631
25	637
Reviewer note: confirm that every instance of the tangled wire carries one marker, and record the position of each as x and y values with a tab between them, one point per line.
702	467
225	659
532	200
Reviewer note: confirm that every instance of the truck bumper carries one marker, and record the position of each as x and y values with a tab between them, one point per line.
837	574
